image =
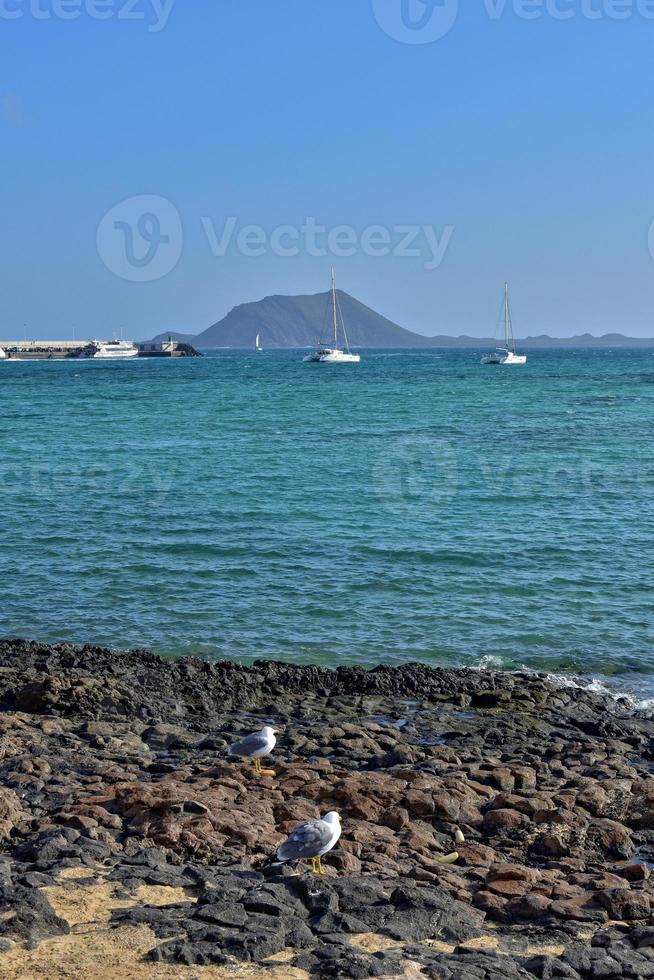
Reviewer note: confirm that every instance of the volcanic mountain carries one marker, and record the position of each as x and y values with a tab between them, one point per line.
301	321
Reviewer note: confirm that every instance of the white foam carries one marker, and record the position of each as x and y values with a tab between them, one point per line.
604	686
489	662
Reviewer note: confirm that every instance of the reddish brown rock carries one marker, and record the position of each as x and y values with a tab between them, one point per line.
550	845
641	809
529	907
611	838
634	872
12	813
397	818
512	872
78	821
494	905
345	862
580	908
625	905
476	855
525	778
497	822
508	887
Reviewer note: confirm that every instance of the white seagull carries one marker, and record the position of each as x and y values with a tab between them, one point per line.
311	839
256	746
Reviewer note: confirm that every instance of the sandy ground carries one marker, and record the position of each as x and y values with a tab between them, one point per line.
94	950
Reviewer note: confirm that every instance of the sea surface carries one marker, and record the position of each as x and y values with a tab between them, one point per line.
417	506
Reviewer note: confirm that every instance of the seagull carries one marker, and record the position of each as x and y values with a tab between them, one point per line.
254	747
311	839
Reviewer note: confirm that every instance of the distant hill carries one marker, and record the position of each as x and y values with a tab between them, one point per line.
300	321
588	340
542	341
180	338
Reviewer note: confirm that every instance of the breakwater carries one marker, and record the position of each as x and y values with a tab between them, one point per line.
49	350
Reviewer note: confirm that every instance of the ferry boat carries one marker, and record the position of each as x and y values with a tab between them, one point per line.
334	355
113	349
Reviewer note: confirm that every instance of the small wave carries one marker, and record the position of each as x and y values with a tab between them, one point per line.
489	662
616	690
606	688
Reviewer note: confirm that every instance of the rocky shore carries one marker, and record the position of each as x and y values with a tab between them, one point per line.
494	825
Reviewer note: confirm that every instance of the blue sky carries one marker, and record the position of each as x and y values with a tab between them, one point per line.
524	146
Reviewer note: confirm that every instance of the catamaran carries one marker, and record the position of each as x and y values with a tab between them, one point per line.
334	355
506	354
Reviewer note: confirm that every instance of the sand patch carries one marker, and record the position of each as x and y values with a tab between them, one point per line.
479	942
285	956
94	951
546	950
371	942
163	895
412	971
438	946
118	954
92	904
482	942
80	874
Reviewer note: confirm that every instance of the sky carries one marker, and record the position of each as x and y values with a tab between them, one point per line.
163	161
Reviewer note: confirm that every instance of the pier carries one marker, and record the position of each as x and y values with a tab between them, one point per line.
49	350
167	348
42	350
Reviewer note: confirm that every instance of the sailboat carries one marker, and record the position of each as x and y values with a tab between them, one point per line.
334	355
506	354
257	344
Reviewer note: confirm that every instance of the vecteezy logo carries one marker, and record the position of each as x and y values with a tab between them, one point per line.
416	475
416	21
141	238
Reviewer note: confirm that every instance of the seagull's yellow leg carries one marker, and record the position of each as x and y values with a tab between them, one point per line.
321	870
257	766
314	866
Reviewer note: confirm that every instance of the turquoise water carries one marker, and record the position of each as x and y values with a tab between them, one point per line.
416	506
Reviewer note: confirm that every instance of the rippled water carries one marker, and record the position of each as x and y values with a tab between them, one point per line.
417	506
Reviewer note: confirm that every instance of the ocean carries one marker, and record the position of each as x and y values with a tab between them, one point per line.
418	506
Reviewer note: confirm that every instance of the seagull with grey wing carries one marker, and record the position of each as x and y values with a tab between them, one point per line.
311	839
255	747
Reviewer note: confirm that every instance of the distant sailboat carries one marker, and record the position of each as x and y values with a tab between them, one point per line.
334	355
506	354
257	344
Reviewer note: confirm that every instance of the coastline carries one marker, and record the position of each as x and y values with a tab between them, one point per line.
121	817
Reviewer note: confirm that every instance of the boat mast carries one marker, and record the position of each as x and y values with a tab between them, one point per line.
334	308
508	326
